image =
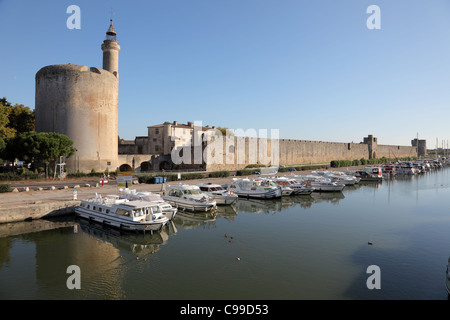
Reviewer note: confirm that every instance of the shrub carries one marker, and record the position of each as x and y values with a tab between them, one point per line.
219	174
5	188
244	172
254	166
192	176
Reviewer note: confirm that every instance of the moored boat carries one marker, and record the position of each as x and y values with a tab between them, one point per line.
135	215
247	188
220	194
132	194
189	197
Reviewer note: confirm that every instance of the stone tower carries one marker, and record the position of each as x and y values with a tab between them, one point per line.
111	48
82	103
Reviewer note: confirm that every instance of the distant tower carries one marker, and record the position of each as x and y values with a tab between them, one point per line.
83	103
111	48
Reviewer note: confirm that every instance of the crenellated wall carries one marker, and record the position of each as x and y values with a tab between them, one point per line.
293	152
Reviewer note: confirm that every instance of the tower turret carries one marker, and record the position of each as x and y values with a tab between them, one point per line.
111	48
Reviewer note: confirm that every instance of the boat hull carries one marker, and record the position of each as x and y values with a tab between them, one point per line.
328	188
258	195
190	205
119	223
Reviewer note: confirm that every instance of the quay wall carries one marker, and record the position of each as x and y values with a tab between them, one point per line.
37	210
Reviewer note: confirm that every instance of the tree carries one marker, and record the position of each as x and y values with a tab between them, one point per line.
15	119
2	148
5	130
45	147
21	119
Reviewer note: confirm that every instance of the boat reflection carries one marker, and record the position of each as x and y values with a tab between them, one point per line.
136	244
188	220
333	198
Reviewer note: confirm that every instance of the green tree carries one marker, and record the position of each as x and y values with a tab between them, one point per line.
44	147
21	119
15	119
5	130
2	149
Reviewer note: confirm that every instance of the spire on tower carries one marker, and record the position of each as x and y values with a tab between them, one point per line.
111	33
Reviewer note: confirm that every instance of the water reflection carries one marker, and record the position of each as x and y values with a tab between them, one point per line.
190	220
136	244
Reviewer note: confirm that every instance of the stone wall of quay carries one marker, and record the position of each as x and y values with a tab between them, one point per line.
37	210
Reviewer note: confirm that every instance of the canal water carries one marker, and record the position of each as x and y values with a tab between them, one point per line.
304	247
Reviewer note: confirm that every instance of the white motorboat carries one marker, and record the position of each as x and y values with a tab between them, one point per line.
299	188
135	215
321	183
189	197
132	194
337	176
286	190
219	193
254	189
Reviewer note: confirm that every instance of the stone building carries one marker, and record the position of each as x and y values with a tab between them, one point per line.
160	142
82	103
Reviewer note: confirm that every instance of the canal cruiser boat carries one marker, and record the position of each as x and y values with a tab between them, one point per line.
447	277
134	215
219	193
189	197
133	194
247	188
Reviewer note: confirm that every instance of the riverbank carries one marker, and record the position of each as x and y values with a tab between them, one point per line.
41	200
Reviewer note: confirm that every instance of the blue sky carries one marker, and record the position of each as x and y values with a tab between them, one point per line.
311	69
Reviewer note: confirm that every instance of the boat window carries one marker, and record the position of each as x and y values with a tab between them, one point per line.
138	213
191	191
94	208
107	210
123	212
156	209
204	188
173	193
88	206
232	186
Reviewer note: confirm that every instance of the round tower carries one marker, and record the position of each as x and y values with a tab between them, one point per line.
82	103
111	48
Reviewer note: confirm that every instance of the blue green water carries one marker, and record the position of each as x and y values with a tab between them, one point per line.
302	247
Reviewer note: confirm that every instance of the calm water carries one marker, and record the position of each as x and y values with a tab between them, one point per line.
295	248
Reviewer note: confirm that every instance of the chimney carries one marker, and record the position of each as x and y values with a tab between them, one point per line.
175	123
